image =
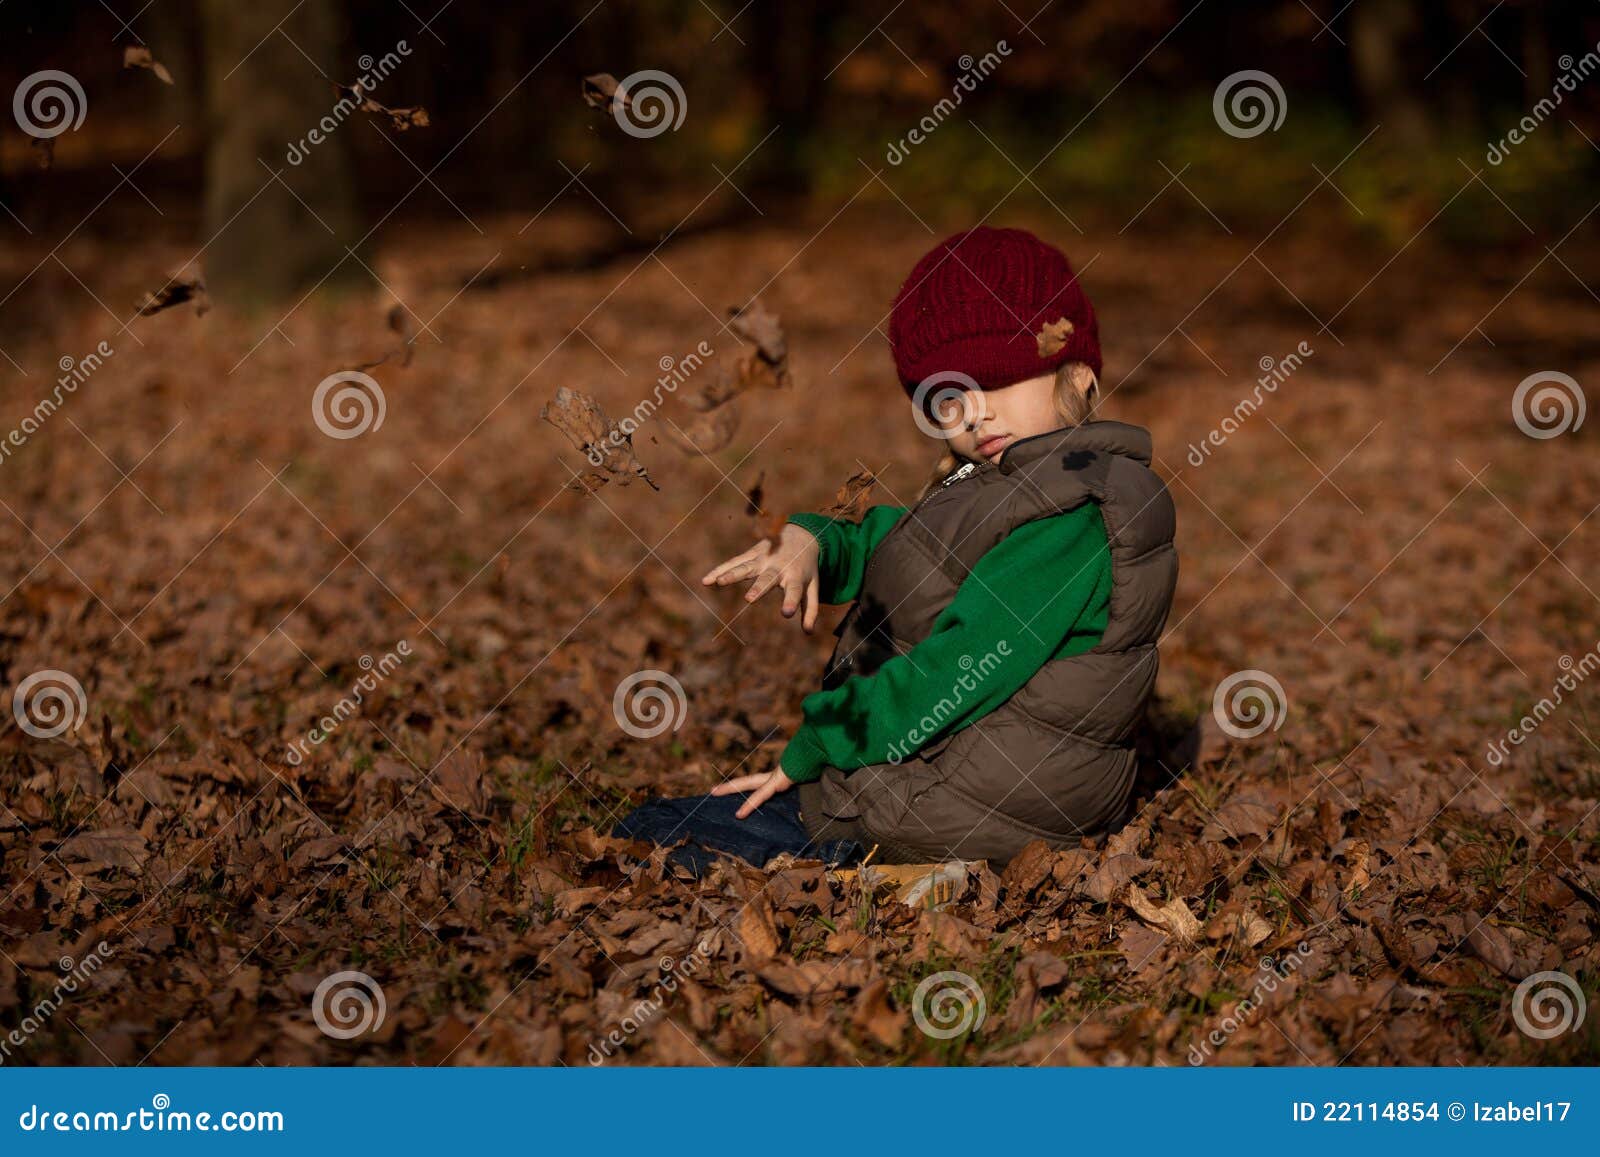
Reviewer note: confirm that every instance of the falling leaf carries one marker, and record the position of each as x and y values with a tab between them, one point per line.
753	496
1052	339
707	433
600	90
401	119
753	323
850	501
138	56
602	441
183	286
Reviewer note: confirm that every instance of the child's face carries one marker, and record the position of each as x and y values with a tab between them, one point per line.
982	423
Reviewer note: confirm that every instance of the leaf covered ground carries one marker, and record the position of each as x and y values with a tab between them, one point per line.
219	574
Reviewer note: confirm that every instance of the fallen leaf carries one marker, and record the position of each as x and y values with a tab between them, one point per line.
119	847
458	782
1173	916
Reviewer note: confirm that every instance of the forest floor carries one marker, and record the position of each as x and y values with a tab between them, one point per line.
218	574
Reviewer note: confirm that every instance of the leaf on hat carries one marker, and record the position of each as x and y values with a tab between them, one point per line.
1052	338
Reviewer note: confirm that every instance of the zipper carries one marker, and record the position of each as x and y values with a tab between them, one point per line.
966	471
958	475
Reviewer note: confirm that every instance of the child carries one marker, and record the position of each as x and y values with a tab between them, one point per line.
1002	646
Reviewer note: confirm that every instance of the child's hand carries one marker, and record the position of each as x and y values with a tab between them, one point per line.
793	566
761	789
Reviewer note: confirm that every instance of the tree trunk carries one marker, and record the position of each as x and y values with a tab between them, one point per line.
1384	66
265	98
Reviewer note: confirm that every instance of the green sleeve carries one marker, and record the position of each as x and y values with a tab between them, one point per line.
1043	591
846	547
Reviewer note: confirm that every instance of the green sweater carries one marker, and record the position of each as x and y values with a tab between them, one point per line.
1043	592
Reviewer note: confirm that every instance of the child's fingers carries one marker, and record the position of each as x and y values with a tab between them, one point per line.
722	573
761	586
742	783
758	797
731	571
792	593
808	620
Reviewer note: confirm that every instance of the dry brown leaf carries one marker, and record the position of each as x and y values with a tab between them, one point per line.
401	119
705	434
458	782
118	847
186	285
138	56
1173	916
1052	338
600	90
602	441
850	502
758	932
1112	875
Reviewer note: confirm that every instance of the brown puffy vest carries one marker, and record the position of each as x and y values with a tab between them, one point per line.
1056	760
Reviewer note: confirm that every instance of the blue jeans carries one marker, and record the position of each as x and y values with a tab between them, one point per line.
709	824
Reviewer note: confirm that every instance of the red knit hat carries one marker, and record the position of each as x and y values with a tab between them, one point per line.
976	303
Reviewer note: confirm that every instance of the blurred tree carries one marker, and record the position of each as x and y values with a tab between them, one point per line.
1384	63
270	239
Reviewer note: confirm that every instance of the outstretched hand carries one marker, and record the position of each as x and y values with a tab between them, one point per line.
761	788
793	566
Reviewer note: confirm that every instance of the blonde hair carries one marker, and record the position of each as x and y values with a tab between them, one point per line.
1076	392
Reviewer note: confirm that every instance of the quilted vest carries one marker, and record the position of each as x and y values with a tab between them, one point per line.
1056	760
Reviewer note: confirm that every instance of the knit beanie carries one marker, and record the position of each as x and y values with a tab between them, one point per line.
998	305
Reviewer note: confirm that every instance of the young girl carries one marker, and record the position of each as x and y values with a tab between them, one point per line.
1002	646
